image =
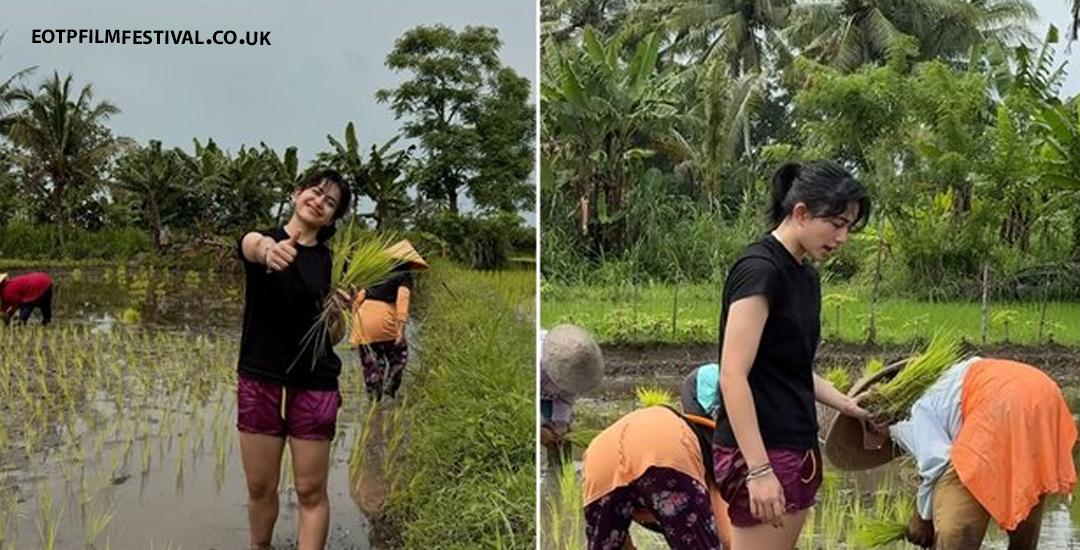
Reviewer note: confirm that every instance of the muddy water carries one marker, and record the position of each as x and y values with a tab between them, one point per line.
168	474
630	368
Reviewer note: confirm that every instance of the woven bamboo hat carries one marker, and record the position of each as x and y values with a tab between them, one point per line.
846	444
403	250
572	360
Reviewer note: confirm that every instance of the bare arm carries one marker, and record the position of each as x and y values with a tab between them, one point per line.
263	250
827	394
742	335
255	246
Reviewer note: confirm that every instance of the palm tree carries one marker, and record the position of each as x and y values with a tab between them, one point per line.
1075	19
62	142
708	137
737	32
851	33
8	96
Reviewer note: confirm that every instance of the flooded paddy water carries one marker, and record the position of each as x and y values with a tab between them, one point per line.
118	422
846	500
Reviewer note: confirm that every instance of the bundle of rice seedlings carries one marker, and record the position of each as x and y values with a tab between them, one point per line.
359	260
890	402
581	438
653	396
873	366
878	533
840	379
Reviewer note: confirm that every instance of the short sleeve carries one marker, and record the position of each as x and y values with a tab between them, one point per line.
751	276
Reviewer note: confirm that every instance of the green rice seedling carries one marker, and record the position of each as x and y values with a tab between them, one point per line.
359	260
891	401
838	376
653	396
95	524
581	438
566	528
878	533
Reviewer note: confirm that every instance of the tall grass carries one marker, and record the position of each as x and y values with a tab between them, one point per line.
465	476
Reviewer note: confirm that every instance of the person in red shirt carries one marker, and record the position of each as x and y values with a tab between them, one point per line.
26	293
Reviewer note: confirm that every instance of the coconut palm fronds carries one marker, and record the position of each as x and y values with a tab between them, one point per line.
891	401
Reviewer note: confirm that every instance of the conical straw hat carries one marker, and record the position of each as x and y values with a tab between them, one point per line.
844	446
572	360
3	277
403	250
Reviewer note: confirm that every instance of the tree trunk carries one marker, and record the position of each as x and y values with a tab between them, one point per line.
58	210
451	197
154	218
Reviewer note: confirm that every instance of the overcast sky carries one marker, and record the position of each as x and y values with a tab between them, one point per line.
324	64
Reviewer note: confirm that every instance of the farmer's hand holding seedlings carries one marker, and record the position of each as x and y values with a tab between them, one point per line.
920	531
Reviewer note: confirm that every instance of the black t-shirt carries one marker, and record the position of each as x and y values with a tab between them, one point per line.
386	291
280	309
782	376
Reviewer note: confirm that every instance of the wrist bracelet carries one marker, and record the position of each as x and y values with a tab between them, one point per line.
763	468
758	472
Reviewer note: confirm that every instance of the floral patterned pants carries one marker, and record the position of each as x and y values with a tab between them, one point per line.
677	502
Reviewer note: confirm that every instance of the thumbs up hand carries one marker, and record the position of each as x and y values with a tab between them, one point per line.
281	254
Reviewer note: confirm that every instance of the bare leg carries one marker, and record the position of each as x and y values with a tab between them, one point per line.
767	537
261	456
311	468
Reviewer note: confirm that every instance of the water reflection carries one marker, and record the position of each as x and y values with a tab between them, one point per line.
118	421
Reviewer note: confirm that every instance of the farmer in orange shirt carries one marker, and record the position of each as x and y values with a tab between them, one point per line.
991	438
26	293
654	466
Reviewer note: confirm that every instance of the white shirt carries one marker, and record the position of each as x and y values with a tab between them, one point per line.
929	433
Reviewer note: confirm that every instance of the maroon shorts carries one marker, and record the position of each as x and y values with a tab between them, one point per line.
799	473
308	414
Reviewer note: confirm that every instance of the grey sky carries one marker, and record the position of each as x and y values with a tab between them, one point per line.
1057	12
321	71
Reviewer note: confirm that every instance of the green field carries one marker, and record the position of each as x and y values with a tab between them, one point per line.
690	314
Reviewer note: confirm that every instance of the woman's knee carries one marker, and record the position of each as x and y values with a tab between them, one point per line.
261	489
310	493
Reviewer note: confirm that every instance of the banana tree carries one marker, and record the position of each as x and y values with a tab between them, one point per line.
385	185
1059	157
154	177
602	114
285	173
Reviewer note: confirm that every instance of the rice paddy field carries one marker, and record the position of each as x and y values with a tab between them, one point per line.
117	422
846	502
649	314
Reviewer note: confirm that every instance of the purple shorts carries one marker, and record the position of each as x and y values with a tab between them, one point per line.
799	473
309	414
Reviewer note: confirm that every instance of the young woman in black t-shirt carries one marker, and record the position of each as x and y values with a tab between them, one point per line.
284	391
766	455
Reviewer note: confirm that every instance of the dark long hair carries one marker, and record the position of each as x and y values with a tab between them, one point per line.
825	187
316	179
